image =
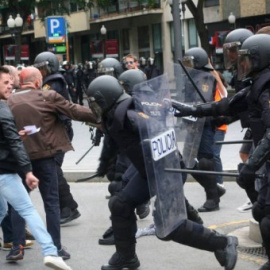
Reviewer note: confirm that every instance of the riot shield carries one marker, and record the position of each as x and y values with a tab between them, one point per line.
159	143
189	129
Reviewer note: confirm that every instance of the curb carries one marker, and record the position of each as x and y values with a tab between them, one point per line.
72	176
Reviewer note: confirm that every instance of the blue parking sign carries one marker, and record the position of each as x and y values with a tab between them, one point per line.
55	29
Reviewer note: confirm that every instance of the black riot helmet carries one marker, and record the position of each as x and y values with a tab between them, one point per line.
47	61
131	77
254	55
103	92
110	66
66	64
232	44
196	58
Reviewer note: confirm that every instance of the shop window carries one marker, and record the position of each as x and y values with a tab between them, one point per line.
192	34
211	3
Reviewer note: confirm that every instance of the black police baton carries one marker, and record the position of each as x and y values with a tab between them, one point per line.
234	142
191	80
206	172
87	178
84	154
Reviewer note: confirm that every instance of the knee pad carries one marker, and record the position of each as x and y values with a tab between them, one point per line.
114	186
258	212
119	206
206	164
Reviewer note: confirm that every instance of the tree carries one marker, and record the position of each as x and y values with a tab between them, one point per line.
47	7
197	12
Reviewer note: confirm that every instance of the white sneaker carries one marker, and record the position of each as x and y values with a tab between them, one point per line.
56	263
150	230
247	206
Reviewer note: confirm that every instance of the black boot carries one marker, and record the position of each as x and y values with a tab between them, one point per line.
227	257
209	206
209	183
195	235
212	196
118	262
107	237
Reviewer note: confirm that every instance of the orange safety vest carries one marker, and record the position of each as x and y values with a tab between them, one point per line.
217	98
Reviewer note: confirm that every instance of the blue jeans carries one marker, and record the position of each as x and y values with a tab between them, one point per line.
45	171
219	136
13	192
207	141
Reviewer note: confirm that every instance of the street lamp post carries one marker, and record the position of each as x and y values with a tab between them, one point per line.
175	9
15	26
232	20
103	32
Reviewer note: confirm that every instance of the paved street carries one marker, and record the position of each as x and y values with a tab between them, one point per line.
81	236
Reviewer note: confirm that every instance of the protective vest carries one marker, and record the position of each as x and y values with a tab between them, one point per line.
121	127
258	104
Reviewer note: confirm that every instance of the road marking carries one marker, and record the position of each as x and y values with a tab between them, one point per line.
252	258
213	227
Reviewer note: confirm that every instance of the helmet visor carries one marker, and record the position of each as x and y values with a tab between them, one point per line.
41	64
105	71
230	51
96	109
244	65
188	61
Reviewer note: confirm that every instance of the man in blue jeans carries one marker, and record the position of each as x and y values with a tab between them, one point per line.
13	157
32	106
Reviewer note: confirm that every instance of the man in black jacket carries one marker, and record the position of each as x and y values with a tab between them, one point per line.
13	157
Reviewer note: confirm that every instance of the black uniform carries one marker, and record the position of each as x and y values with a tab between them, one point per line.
79	85
121	127
70	79
57	82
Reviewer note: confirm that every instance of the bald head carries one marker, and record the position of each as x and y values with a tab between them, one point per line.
30	77
13	72
264	30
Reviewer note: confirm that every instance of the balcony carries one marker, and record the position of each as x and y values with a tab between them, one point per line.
124	8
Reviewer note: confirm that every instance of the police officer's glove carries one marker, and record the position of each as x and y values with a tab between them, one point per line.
182	109
247	175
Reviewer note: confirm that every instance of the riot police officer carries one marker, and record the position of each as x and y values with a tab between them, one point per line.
253	63
231	46
48	65
120	123
69	75
197	58
79	75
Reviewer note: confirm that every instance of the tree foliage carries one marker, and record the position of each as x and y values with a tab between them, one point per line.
46	7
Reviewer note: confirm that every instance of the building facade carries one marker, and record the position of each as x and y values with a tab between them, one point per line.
142	27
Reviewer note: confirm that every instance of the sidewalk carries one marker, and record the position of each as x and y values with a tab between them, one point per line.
88	165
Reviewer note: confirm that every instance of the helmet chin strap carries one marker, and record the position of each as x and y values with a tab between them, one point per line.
123	97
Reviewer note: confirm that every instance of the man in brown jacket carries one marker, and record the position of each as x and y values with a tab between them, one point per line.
33	107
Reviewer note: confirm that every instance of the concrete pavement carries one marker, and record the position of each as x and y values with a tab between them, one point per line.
81	236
